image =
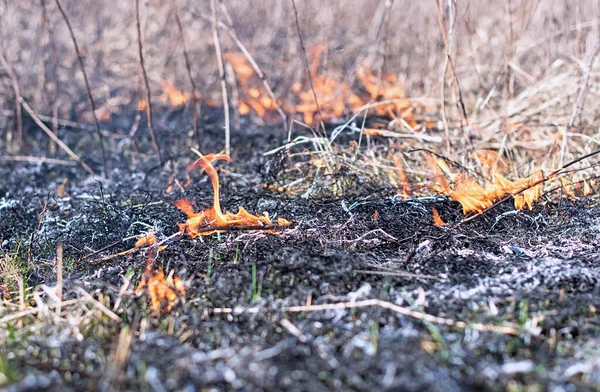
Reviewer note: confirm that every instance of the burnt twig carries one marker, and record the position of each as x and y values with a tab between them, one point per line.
87	83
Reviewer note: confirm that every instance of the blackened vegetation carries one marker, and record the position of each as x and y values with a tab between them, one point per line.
537	270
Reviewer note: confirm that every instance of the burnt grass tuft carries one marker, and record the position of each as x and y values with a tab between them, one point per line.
537	270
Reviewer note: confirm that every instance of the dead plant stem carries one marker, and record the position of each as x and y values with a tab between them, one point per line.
79	55
578	105
136	4
307	66
219	53
188	68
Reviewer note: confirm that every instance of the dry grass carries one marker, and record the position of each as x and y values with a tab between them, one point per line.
519	67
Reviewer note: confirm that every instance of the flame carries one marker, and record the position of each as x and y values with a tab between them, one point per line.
335	97
475	197
161	291
199	223
437	219
172	95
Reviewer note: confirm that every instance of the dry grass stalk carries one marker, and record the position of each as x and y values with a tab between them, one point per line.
188	68
52	136
79	55
49	45
7	64
59	279
307	69
136	4
503	329
578	105
221	66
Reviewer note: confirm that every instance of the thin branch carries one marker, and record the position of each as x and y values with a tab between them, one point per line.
189	72
136	4
307	66
87	83
52	136
219	53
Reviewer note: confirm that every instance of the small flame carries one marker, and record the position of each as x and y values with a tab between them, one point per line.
172	95
437	219
199	223
162	292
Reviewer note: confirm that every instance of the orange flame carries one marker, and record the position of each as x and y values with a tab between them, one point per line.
475	197
335	97
200	223
162	292
437	219
172	95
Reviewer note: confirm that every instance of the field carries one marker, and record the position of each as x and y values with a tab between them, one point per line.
412	190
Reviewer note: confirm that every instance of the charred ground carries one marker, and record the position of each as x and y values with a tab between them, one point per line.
536	270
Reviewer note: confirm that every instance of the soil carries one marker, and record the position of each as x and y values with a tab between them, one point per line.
535	270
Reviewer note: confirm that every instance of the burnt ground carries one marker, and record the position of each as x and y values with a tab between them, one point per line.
535	270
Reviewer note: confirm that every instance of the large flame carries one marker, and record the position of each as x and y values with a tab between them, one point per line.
200	223
475	197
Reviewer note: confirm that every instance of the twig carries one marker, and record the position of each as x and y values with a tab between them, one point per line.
219	53
136	4
54	137
21	158
79	55
307	66
578	105
504	329
8	65
189	73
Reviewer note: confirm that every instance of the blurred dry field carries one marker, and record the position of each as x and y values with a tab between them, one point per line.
381	131
520	65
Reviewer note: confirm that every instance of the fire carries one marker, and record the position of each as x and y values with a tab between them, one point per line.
200	223
335	98
437	219
475	197
254	97
172	95
162	292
